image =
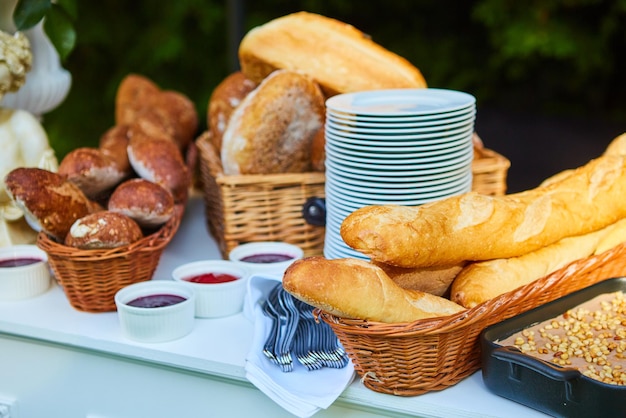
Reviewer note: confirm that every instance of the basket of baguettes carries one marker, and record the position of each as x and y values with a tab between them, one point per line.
262	157
438	274
107	213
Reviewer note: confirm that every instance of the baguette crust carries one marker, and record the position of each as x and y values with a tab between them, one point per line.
338	56
477	227
352	288
479	282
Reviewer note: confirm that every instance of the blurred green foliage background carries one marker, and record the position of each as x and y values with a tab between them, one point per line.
550	56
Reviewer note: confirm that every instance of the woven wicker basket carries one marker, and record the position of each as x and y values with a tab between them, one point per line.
433	354
252	208
90	278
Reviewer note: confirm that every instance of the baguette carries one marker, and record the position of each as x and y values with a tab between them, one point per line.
352	288
479	282
475	227
339	57
433	280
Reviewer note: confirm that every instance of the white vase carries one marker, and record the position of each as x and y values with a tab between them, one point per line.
47	83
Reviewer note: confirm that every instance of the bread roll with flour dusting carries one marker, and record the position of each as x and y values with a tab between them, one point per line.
352	288
478	227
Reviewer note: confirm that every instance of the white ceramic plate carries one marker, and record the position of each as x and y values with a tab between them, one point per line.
400	171
370	189
369	152
390	142
389	123
401	102
395	149
339	129
393	181
384	137
383	161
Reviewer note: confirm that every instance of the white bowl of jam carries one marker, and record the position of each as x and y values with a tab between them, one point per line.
155	311
267	257
24	272
220	286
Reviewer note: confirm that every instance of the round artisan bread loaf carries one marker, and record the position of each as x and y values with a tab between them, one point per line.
93	171
102	230
160	161
225	98
271	131
50	202
147	203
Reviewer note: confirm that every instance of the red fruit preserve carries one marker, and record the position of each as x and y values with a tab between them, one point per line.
156	301
266	258
212	278
19	262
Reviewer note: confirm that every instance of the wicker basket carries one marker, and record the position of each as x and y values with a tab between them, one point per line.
252	208
433	354
90	278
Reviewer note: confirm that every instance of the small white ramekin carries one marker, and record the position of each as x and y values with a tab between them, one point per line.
154	325
276	269
26	281
215	300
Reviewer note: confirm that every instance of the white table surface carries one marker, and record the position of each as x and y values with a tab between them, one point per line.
218	347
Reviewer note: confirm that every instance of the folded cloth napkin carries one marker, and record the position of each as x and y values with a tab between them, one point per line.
301	392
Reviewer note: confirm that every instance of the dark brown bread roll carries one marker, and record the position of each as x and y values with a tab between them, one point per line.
147	203
50	203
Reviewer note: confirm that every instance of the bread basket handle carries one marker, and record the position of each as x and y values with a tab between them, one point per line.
314	211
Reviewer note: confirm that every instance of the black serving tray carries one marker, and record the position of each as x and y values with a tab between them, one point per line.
558	391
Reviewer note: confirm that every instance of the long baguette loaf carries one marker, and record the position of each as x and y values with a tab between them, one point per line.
338	56
481	281
352	288
478	227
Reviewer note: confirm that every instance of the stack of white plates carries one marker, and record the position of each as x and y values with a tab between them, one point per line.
405	147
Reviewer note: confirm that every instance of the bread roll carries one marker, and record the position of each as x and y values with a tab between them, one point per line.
147	203
114	144
339	57
225	98
160	161
433	280
478	227
50	203
102	230
271	131
141	103
132	92
93	171
481	281
351	288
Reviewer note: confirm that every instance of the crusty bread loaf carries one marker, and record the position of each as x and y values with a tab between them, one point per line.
103	230
617	146
92	170
271	131
352	288
338	56
433	280
481	281
478	227
223	101
50	203
133	90
147	203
